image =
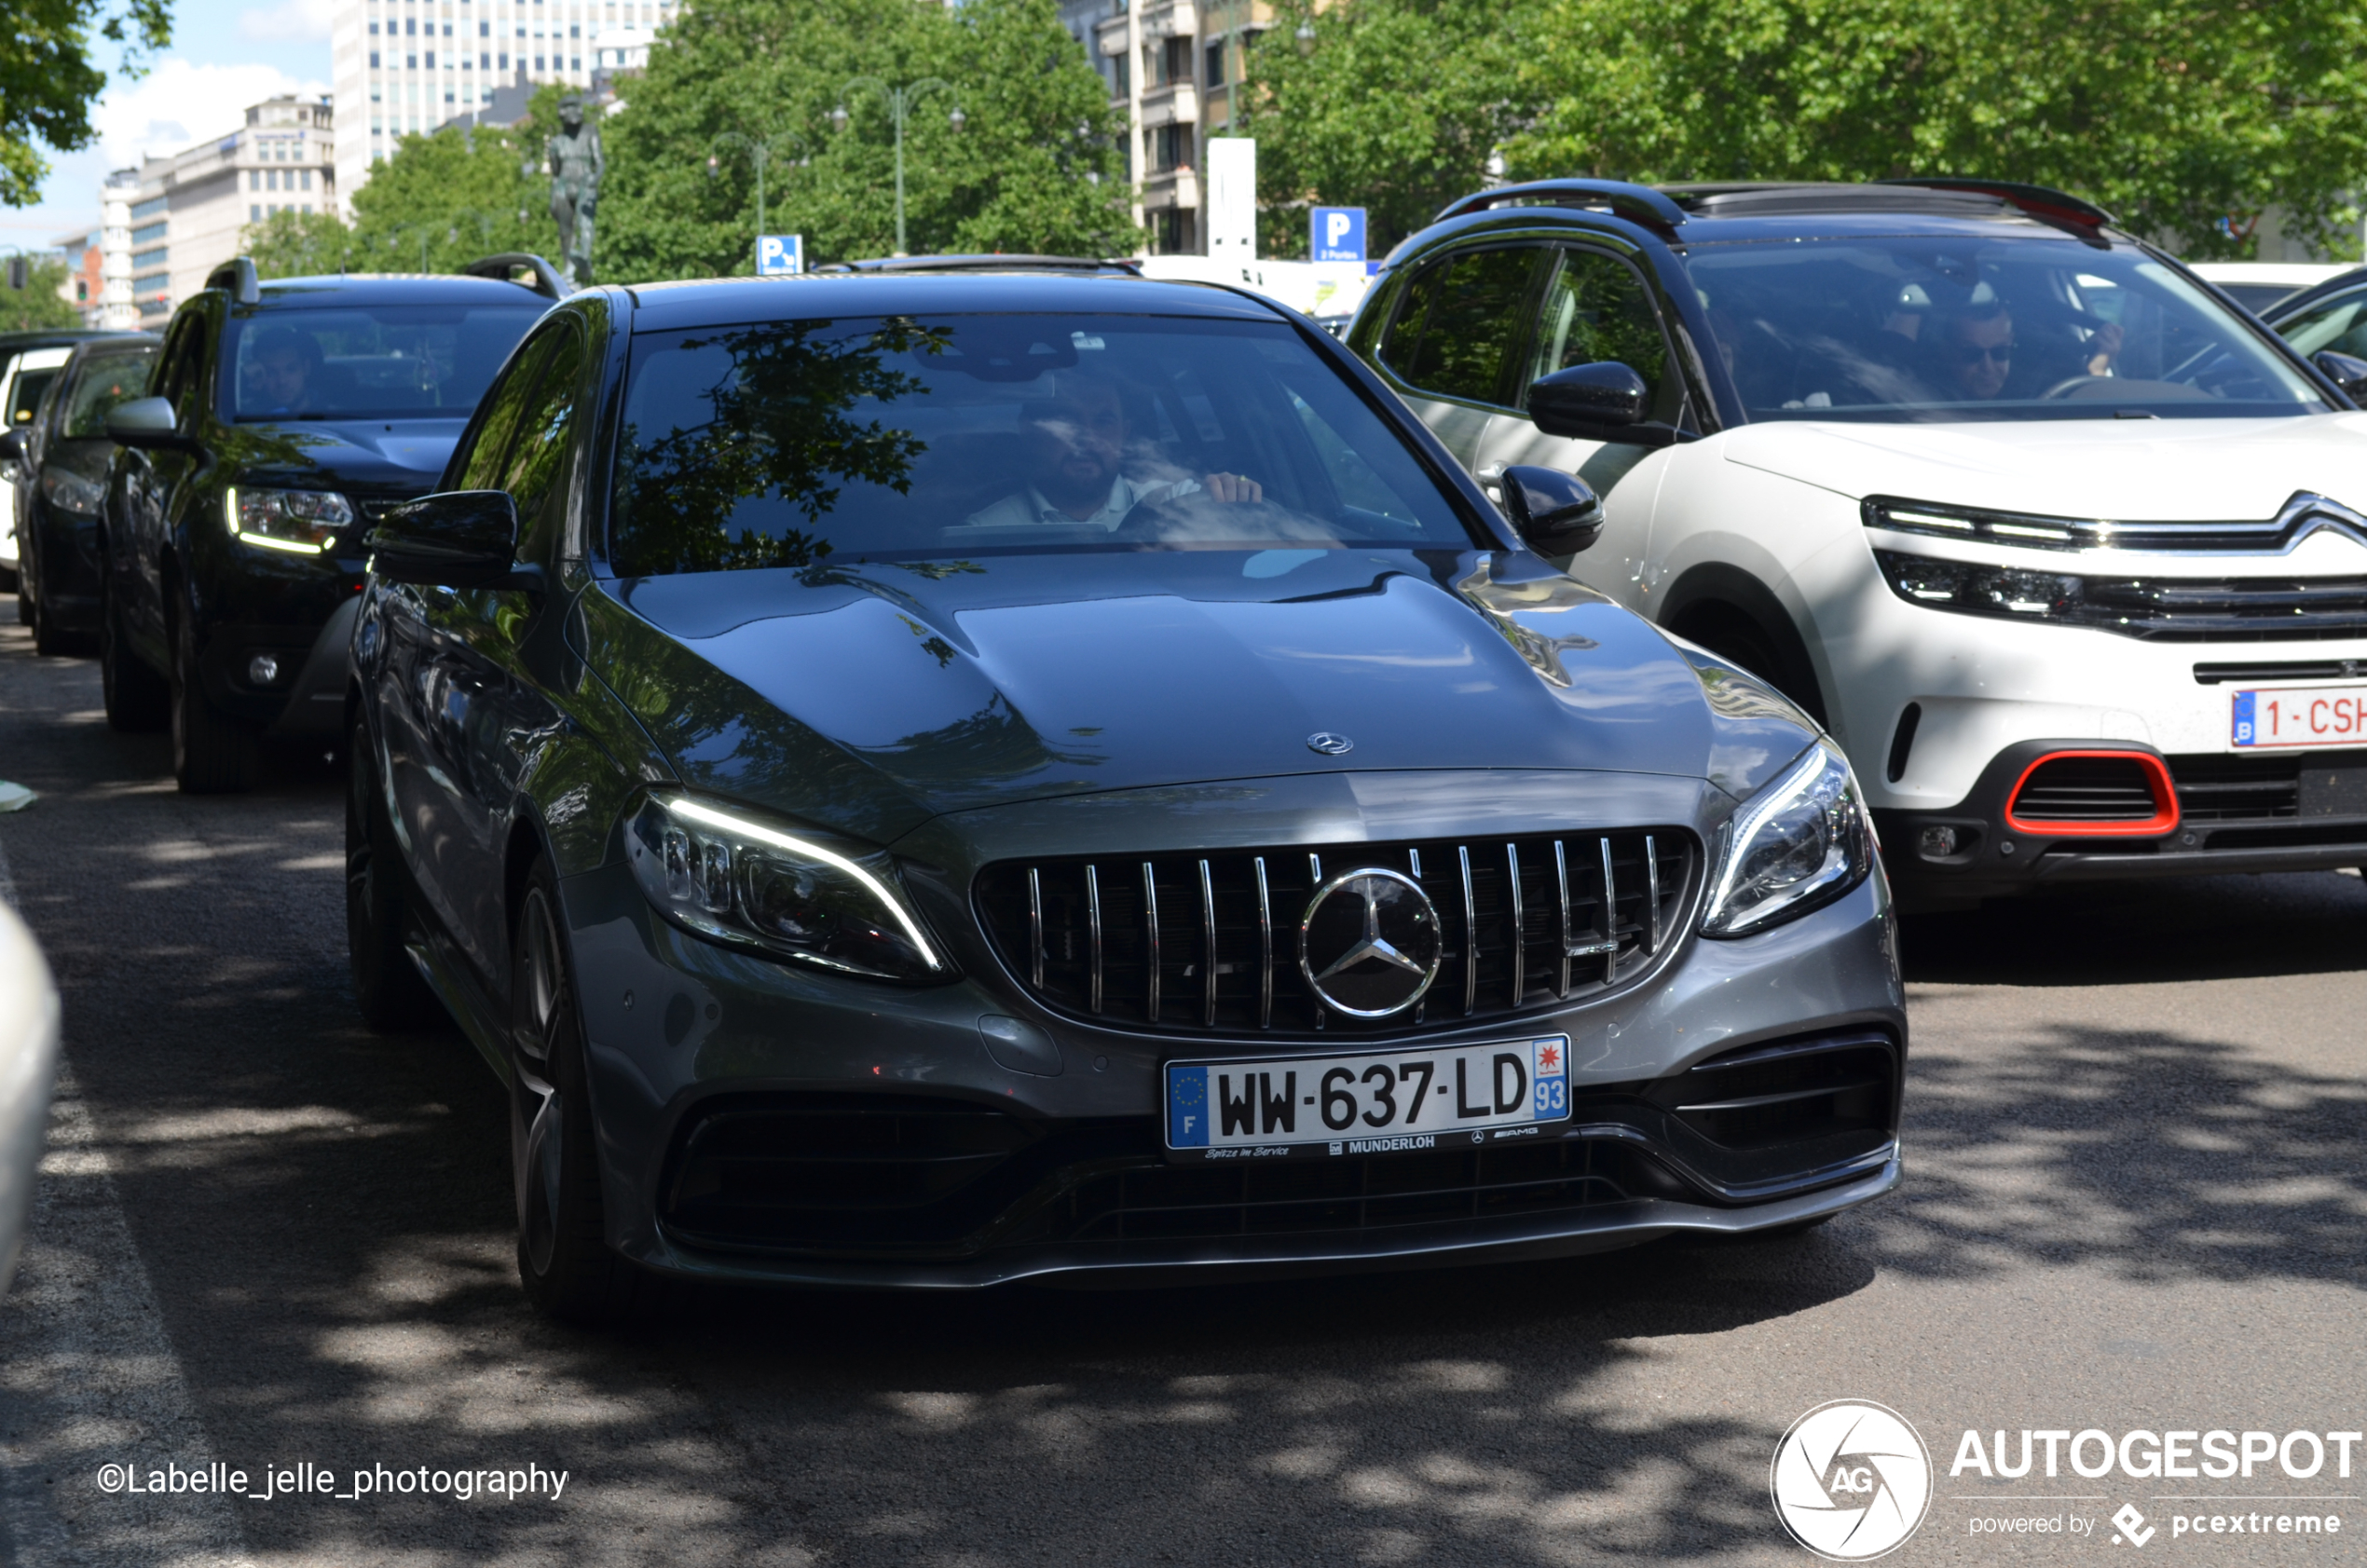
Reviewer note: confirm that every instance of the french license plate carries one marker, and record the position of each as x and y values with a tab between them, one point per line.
2303	715
1370	1102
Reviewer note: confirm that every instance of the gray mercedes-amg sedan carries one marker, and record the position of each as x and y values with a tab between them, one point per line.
946	776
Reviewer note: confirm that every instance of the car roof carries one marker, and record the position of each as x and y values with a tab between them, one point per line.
665	306
17	342
392	288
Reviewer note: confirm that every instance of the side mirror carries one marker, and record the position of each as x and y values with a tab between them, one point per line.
1587	402
1556	514
2346	371
149	422
461	539
11	446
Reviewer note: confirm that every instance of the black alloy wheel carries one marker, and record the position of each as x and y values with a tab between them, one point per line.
212	754
564	1258
388	987
138	700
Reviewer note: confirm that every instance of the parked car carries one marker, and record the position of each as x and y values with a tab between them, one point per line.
62	460
27	361
286	415
2062	547
2258	285
2331	317
928	780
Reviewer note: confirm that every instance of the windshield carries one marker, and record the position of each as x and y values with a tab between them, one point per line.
103	383
2337	321
781	444
1912	329
368	362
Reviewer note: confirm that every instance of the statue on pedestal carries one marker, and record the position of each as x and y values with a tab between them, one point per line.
576	169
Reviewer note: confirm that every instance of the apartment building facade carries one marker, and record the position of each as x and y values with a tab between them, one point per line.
1174	68
171	221
405	67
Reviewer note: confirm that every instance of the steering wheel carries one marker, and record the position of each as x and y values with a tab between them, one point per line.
2069	386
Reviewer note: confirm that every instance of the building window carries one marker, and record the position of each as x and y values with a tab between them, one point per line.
430	60
502	60
374	60
373	28
411	25
1216	63
485	30
411	62
142	234
150	258
307	179
148	209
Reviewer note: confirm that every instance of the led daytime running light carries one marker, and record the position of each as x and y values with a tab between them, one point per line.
871	884
262	540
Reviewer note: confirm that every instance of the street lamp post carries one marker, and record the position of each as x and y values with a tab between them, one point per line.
900	100
760	150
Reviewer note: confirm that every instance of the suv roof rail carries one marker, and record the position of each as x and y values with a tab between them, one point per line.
2039	201
984	264
1637	204
237	276
548	280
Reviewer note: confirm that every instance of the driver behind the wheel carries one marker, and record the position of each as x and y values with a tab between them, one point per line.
1978	353
1075	444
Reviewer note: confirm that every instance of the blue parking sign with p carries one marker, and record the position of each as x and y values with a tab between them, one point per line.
1338	234
780	255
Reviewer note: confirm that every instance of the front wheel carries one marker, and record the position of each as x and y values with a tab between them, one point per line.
387	985
564	1258
212	754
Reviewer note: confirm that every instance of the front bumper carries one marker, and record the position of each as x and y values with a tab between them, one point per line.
683	1033
2276	811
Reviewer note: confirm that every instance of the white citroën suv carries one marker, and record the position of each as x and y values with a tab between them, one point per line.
2064	549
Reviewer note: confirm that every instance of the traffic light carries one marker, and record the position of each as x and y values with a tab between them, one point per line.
17	273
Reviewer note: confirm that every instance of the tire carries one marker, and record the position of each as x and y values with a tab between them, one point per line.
48	641
1736	638
138	700
565	1261
212	754
388	988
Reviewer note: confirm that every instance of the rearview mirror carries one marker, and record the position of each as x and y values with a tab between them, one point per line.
1556	514
1588	401
149	422
12	446
2346	371
461	539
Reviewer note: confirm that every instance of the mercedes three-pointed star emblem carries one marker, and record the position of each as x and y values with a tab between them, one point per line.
1369	944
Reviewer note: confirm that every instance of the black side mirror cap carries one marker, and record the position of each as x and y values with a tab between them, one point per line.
11	446
460	539
146	422
1589	402
1556	514
2347	371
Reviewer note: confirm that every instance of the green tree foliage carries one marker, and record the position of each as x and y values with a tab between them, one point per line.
454	195
1394	108
292	244
2171	113
38	305
1037	168
47	82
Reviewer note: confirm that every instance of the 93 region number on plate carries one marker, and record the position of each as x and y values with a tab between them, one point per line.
1372	1102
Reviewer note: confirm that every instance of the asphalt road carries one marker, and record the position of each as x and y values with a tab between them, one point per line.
266	1237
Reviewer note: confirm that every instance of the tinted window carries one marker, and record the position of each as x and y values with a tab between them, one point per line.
480	467
25	396
545	427
102	382
1596	308
1455	332
783	443
2339	322
1958	329
372	361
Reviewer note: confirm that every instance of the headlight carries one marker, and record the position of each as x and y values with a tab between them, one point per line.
71	492
1802	841
796	895
302	522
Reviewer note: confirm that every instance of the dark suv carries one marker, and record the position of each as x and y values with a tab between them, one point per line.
61	457
286	415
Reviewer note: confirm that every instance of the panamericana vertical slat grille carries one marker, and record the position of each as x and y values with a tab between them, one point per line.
1190	944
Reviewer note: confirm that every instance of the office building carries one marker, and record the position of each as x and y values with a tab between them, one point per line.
173	219
405	67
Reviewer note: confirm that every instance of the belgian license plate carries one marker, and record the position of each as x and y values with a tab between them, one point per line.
2303	715
1370	1102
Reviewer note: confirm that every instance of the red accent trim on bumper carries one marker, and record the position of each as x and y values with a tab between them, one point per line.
2163	820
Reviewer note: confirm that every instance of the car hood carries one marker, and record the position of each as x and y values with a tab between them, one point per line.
2123	470
372	457
871	697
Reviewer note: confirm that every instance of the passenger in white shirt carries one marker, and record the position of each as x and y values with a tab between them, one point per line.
1074	443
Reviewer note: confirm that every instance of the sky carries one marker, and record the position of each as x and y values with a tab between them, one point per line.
225	54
